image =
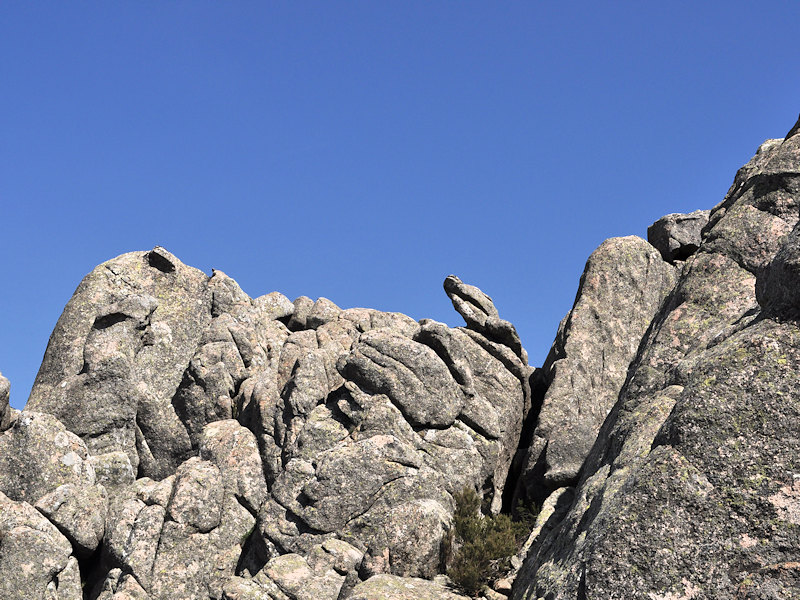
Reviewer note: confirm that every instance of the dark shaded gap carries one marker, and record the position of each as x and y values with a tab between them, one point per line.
255	553
93	572
107	321
511	491
160	262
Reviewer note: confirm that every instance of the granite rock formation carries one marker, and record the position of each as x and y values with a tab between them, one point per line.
691	489
188	441
623	286
184	440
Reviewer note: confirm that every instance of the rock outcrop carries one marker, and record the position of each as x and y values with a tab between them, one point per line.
192	442
186	441
691	488
623	286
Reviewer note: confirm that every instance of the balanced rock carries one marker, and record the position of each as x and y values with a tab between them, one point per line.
480	313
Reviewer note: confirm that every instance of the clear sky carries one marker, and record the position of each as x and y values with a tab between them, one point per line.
362	151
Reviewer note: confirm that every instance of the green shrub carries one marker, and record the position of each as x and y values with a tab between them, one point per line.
483	545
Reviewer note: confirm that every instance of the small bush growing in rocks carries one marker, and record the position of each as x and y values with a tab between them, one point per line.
483	545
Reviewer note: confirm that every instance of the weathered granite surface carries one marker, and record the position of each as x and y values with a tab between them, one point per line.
190	441
691	488
183	440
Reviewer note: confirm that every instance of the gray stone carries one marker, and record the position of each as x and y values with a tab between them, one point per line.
691	487
323	311
367	319
118	353
274	305
375	450
188	548
113	469
622	287
470	302
5	408
678	236
240	588
409	373
241	341
302	308
299	580
497	395
184	536
778	283
233	449
68	583
79	513
391	587
197	496
33	555
38	454
481	315
276	436
120	586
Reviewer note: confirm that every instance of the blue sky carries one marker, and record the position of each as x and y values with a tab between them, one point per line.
362	151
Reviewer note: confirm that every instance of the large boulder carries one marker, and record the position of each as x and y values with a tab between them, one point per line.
623	286
49	467
38	454
35	559
691	487
118	354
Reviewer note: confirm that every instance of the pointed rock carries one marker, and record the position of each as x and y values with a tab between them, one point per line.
481	315
622	287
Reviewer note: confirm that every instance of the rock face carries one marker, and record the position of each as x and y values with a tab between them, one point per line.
192	442
186	441
691	488
623	286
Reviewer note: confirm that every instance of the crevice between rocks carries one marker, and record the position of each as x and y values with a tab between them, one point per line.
511	492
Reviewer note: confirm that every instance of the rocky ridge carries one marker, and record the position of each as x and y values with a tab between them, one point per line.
183	440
